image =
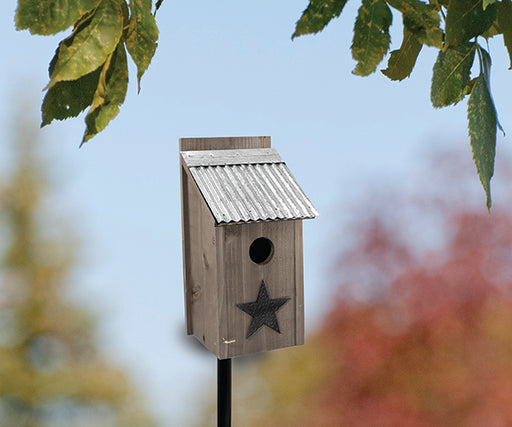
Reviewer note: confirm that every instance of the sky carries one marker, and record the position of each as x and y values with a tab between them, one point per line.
222	68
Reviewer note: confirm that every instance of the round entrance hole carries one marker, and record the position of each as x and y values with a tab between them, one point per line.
261	250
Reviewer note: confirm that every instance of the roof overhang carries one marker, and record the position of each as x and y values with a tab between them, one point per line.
247	185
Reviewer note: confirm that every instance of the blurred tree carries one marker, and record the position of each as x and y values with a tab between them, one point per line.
419	335
51	374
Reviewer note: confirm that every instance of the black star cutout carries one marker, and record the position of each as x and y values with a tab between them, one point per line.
263	311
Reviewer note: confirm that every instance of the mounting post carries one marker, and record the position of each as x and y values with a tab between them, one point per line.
224	392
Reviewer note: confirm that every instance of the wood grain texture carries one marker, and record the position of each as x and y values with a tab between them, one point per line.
299	284
200	265
185	238
218	272
242	280
224	143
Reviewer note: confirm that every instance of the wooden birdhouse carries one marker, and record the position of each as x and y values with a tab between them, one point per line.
242	214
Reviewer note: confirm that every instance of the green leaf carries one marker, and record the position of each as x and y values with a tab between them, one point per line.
317	15
486	3
485	70
69	98
504	18
467	19
90	44
110	93
482	124
438	3
401	62
142	36
47	17
420	19
371	35
451	75
492	31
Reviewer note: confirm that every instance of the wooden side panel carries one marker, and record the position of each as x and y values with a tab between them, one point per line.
283	278
199	265
185	237
224	143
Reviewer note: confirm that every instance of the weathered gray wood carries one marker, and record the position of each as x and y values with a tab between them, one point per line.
200	277
299	284
185	237
242	280
231	157
219	273
206	260
200	265
224	143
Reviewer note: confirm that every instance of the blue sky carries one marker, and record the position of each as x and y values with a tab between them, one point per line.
222	68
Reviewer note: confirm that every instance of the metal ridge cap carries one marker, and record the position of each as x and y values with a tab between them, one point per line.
230	157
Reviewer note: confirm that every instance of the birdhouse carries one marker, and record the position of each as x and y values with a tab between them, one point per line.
242	213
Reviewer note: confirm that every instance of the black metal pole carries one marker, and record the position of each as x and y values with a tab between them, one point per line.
224	392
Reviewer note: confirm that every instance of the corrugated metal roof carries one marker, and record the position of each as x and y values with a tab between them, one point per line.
237	193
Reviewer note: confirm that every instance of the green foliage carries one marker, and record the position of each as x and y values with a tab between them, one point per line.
421	19
454	28
371	35
92	41
88	62
504	18
317	15
89	68
110	92
51	17
69	98
483	121
450	77
401	61
142	35
467	19
482	130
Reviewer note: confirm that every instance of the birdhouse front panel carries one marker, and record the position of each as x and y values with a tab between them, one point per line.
242	216
263	297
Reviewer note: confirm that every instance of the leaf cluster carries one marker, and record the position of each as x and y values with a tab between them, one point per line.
451	26
90	69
